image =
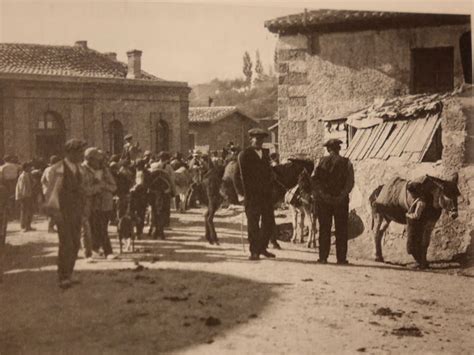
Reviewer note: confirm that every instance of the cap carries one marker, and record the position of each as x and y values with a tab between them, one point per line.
92	152
196	153
257	132
147	152
333	142
128	136
74	145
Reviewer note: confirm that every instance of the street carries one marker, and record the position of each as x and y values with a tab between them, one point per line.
182	295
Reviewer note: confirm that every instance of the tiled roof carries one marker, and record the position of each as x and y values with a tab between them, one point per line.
211	114
346	20
65	61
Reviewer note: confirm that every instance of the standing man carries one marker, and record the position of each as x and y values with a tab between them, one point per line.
64	199
24	195
256	173
334	178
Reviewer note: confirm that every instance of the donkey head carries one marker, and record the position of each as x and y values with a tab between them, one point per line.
445	193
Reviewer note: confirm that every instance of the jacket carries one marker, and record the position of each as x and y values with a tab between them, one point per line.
257	175
24	186
52	181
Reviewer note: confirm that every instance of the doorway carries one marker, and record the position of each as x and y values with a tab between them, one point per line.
50	135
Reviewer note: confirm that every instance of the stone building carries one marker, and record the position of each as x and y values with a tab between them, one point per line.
366	77
332	63
49	94
212	128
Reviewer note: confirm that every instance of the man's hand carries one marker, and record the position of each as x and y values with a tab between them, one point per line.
240	198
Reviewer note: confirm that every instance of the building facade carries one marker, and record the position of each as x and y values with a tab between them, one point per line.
212	128
49	94
391	76
332	63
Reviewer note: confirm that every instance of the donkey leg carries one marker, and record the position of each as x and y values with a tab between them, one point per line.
213	234
301	225
207	225
380	226
294	222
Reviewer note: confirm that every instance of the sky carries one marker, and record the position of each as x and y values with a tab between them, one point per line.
181	40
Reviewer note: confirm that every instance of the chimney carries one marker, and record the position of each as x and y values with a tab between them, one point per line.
134	64
81	44
111	55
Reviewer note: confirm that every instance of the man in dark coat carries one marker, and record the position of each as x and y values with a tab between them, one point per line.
64	184
254	164
334	179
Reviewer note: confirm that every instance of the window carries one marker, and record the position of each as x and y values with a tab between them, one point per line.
162	134
116	137
465	46
49	122
432	70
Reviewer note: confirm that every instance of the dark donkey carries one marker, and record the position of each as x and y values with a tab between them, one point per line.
390	202
220	183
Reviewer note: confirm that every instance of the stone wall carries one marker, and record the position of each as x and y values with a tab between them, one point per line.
333	74
87	111
233	128
450	237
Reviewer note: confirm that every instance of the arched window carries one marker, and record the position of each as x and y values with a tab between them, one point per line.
50	135
116	137
162	134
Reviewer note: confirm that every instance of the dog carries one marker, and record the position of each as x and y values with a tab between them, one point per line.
125	228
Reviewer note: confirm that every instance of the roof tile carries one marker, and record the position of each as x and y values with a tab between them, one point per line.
61	61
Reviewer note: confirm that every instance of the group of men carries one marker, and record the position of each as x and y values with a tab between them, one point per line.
79	195
333	179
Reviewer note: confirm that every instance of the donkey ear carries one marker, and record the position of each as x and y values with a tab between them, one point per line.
434	180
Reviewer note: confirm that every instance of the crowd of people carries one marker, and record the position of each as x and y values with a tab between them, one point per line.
87	190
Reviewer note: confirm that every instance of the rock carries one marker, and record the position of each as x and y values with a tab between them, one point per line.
307	280
412	331
253	315
175	298
387	312
212	322
361	350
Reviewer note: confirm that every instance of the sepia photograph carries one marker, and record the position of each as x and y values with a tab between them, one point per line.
236	177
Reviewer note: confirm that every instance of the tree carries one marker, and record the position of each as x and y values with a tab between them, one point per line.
258	65
247	68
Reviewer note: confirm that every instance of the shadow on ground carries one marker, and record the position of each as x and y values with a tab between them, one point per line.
124	311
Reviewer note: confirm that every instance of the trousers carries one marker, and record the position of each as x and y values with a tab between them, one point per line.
260	225
326	212
99	221
26	212
69	232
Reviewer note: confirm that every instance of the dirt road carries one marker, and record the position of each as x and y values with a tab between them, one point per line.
186	296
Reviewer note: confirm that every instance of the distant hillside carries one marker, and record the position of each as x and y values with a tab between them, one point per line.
258	101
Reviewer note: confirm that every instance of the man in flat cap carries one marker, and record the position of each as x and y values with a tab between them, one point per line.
130	150
256	173
334	180
64	199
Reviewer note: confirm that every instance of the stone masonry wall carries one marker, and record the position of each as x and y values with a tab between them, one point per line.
233	128
333	74
87	111
450	237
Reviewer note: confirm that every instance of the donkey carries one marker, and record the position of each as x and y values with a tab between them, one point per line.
391	202
301	202
220	182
